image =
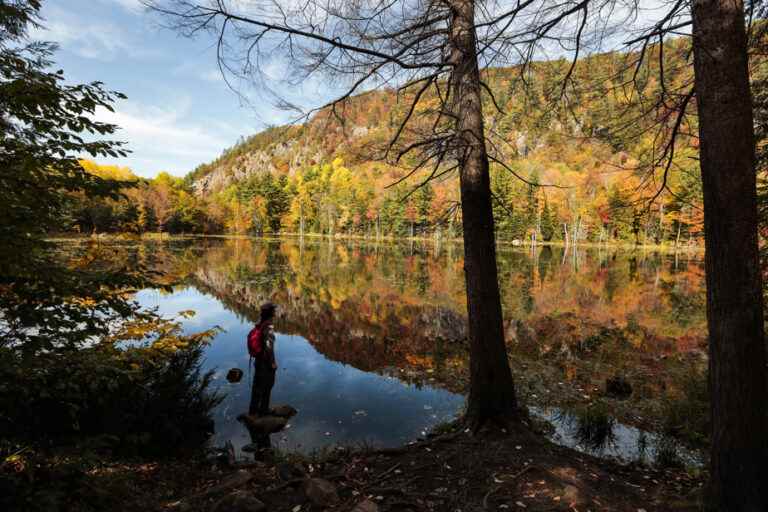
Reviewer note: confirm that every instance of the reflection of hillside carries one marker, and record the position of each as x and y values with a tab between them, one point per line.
356	306
381	308
410	294
342	334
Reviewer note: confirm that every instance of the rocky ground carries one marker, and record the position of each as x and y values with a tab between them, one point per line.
454	471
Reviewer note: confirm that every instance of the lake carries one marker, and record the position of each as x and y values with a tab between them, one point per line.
370	335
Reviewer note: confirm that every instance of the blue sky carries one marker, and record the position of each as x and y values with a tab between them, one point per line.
179	112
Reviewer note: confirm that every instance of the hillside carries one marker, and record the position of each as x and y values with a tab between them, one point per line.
595	141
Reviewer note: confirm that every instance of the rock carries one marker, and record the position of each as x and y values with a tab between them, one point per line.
263	424
618	387
234	375
239	501
320	492
366	506
572	495
283	411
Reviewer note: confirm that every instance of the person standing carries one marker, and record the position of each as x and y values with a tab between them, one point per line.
261	347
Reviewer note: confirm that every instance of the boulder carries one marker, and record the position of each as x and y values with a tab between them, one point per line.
320	492
234	375
239	501
618	387
283	411
263	424
442	324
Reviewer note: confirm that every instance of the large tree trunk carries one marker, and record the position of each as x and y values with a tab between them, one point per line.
492	391
737	372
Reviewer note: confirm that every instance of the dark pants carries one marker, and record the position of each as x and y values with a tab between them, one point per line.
263	381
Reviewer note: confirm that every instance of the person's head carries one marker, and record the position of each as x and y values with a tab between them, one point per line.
267	312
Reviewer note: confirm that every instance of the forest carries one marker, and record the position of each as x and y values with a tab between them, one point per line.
579	175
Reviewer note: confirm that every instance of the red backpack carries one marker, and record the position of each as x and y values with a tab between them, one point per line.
256	342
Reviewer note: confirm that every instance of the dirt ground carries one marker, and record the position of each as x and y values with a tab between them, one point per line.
456	471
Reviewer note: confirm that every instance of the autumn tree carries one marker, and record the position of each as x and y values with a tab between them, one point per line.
72	339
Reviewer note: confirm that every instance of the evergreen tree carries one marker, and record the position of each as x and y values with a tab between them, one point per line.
423	199
531	203
548	223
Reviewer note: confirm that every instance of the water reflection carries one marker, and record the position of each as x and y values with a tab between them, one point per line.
608	438
337	403
370	336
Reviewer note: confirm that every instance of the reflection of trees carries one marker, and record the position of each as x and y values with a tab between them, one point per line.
545	259
383	306
357	305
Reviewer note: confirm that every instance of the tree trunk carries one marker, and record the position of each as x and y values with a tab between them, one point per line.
492	391
301	220
565	233
737	373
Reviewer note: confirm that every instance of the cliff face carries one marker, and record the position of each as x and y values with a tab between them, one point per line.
294	153
364	121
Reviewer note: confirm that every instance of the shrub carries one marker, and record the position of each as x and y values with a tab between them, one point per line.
139	400
64	413
593	426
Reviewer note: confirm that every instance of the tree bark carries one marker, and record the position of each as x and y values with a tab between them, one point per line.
492	391
737	372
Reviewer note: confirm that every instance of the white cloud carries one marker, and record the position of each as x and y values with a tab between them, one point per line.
96	39
161	138
103	43
134	6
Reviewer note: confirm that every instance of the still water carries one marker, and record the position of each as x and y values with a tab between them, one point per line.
338	404
369	342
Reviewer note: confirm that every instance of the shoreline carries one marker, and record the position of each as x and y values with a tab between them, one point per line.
506	244
455	469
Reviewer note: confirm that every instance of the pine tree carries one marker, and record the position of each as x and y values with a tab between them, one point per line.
531	203
548	222
423	199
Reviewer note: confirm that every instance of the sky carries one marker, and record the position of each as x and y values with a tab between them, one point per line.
179	112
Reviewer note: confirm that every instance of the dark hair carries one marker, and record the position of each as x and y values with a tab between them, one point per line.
267	312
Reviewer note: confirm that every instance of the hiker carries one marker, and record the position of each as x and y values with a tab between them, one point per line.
261	347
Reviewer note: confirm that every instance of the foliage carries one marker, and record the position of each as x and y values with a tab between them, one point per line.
548	226
141	398
326	177
45	124
45	302
68	323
